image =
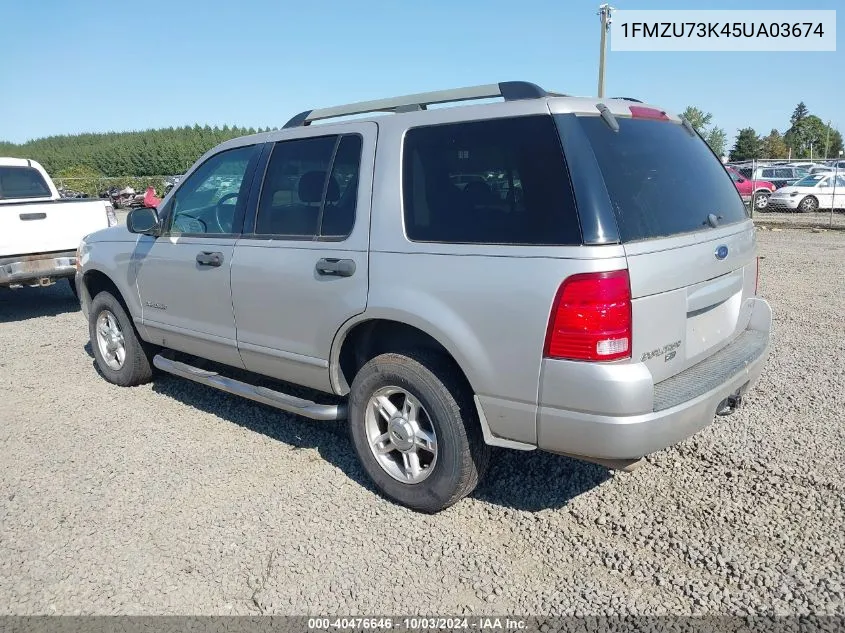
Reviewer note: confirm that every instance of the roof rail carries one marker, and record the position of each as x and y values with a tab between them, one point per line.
509	90
627	99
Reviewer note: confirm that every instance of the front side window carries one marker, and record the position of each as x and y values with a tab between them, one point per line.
500	181
310	188
208	202
22	182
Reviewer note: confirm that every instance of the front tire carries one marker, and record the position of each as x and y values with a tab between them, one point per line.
761	201
122	358
415	429
808	205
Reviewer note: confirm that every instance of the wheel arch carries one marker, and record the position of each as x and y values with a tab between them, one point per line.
371	334
95	281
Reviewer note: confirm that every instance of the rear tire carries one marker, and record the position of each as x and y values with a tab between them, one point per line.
122	358
761	201
808	205
398	399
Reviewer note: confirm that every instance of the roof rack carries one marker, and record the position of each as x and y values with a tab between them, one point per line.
508	90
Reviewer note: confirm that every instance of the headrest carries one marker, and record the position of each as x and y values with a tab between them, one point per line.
311	187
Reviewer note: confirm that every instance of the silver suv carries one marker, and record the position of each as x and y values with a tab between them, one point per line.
530	273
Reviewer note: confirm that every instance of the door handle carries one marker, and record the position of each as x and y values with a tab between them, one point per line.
207	258
336	267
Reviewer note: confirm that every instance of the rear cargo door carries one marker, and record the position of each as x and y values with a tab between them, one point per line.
689	244
43	227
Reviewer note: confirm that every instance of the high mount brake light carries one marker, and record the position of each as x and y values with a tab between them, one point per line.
643	112
591	318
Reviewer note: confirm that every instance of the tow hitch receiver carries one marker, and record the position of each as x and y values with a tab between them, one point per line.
730	404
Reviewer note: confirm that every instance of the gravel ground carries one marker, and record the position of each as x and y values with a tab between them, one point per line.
173	498
821	219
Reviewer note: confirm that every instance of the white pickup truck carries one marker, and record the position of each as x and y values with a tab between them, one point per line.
39	230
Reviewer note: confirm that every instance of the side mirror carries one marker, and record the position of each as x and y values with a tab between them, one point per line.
740	179
142	220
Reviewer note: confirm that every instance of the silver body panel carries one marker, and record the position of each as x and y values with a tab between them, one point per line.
487	305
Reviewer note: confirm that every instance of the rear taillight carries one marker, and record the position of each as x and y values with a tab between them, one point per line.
591	318
757	276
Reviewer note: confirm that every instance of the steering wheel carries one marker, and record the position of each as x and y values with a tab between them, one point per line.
217	208
195	219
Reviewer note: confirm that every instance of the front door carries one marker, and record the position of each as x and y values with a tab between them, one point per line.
300	269
183	275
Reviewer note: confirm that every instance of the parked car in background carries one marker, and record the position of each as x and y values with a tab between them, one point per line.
821	169
780	176
757	191
813	192
40	230
607	311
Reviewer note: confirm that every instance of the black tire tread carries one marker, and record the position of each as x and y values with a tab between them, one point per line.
801	204
432	368
137	369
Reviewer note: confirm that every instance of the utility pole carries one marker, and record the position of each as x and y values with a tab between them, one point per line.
604	13
827	141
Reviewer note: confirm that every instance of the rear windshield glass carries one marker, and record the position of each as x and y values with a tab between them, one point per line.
662	181
22	182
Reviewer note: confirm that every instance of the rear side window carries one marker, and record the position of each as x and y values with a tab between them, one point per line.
501	181
22	182
310	188
662	181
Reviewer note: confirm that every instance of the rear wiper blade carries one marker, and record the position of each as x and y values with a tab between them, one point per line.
713	220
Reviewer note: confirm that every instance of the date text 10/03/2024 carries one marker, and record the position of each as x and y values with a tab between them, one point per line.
416	623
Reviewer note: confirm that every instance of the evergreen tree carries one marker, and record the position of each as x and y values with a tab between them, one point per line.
747	145
798	114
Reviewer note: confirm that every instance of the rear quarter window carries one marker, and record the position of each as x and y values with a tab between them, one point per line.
22	182
499	181
662	181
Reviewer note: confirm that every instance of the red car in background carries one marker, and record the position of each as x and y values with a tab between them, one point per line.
756	190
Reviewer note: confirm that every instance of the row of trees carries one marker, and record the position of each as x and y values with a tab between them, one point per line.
167	151
807	137
171	151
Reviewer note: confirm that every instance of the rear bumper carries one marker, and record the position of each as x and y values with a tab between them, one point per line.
30	270
729	372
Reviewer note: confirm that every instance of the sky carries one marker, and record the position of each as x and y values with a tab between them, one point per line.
92	65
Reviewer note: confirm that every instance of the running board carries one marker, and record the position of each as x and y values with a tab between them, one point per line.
272	398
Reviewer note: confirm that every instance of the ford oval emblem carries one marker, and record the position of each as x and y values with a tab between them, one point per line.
721	252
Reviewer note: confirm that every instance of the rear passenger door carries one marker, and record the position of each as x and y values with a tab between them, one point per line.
300	269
